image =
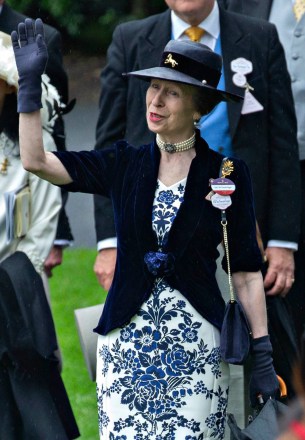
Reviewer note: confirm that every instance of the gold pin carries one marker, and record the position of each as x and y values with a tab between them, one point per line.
170	60
4	165
227	168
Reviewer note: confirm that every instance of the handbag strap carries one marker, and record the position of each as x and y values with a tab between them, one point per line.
224	223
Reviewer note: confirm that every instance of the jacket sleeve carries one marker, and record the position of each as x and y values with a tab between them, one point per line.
284	170
111	124
44	211
244	253
98	172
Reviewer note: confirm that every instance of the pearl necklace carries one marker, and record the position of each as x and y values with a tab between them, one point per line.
177	147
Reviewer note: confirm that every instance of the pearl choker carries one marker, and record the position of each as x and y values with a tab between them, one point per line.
178	147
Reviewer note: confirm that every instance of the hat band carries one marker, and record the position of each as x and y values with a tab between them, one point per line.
192	68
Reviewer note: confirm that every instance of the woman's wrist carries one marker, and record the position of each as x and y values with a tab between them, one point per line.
259	339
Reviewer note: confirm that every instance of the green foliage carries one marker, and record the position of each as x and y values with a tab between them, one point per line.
73	286
89	24
20	5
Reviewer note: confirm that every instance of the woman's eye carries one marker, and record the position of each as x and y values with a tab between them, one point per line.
173	92
154	86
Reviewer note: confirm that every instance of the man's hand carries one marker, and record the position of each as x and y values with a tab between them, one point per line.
104	267
54	259
280	274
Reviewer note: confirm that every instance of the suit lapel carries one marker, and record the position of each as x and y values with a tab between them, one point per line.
234	44
152	41
257	8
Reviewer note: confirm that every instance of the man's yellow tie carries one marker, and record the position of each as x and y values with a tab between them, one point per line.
299	9
194	33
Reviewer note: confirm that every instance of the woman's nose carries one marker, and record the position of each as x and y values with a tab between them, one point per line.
157	99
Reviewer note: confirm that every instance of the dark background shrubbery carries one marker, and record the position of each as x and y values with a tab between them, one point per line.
87	25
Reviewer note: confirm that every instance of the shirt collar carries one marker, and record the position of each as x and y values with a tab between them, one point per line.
210	24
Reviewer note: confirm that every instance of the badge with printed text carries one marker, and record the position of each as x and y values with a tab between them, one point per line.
239	79
221	202
223	186
242	66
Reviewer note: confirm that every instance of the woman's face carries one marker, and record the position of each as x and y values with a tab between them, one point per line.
170	110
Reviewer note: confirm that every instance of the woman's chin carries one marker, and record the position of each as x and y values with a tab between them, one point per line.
152	126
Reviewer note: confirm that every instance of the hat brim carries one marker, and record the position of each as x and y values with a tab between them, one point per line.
173	75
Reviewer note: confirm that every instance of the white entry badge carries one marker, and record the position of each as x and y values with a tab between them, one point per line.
221	202
241	65
251	104
239	80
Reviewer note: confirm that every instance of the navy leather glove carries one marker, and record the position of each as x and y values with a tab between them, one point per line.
263	379
31	58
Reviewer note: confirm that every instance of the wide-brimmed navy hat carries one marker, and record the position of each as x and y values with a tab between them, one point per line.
192	63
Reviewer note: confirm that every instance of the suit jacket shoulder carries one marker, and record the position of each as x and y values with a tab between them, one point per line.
254	8
266	140
145	25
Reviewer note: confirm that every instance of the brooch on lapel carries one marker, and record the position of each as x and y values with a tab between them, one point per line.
222	187
242	67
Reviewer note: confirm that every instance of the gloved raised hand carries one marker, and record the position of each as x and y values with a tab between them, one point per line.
31	58
263	379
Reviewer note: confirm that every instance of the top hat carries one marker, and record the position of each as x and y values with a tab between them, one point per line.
192	63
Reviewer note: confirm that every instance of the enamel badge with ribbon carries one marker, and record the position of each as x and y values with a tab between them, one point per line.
242	67
222	187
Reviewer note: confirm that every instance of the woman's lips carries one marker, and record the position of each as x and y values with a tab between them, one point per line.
154	117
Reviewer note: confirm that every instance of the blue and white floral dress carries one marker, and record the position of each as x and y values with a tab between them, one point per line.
161	376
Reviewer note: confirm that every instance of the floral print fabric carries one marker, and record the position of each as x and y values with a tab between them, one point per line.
161	376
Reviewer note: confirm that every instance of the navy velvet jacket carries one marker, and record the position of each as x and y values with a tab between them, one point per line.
129	176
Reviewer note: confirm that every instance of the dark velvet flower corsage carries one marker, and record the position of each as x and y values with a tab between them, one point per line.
160	264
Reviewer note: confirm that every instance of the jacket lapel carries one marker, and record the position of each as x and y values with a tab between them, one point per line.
153	39
257	8
145	193
235	44
192	208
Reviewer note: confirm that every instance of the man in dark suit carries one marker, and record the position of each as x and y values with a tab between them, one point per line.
260	131
9	20
291	29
